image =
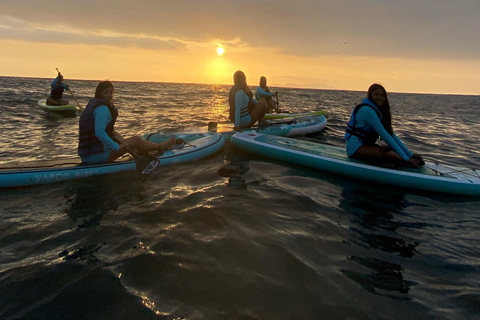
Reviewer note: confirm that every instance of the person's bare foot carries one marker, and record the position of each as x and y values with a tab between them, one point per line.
167	144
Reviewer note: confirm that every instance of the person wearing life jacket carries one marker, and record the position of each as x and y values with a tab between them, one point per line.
244	110
370	120
263	91
56	93
98	140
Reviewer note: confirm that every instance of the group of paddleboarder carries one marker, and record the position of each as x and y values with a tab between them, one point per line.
369	121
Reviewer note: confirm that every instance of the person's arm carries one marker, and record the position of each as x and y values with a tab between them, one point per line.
239	96
102	118
54	82
369	116
262	93
401	145
418	158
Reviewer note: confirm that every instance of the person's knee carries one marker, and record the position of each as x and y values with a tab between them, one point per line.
136	139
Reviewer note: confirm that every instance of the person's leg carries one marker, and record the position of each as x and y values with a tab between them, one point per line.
142	146
51	102
257	112
271	106
382	156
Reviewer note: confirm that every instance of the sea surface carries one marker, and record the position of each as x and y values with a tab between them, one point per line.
234	236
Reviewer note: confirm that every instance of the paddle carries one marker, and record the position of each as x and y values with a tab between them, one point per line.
278	105
145	164
274	123
68	88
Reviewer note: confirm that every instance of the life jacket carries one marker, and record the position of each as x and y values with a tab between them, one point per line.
57	92
367	134
231	102
88	143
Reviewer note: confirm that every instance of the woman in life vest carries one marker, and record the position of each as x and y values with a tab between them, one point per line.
98	140
56	93
370	120
244	110
263	91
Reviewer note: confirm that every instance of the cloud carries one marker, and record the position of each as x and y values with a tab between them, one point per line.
16	29
432	29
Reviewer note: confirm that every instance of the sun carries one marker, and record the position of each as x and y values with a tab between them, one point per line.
220	51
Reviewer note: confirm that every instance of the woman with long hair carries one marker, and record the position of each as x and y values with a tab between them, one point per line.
370	120
98	140
244	110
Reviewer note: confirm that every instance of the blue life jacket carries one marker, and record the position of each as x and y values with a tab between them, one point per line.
57	92
367	134
88	143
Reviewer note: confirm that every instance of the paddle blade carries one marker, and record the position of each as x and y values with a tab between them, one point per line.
146	166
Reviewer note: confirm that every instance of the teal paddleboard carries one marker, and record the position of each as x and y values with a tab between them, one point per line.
46	172
431	177
279	127
283	115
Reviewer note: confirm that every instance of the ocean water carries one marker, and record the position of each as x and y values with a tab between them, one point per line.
234	236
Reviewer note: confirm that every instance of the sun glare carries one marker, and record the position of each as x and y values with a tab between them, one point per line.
220	51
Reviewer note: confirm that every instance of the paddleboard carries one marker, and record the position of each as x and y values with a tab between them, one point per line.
288	128
282	115
45	172
68	109
431	177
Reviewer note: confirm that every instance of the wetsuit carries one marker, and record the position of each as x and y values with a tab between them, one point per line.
242	116
366	117
264	93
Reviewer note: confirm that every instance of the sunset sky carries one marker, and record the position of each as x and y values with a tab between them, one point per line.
426	46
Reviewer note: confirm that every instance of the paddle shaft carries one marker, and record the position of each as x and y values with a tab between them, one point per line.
68	88
273	123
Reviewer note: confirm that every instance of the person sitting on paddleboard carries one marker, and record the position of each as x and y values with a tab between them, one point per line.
56	93
370	120
263	91
98	140
244	110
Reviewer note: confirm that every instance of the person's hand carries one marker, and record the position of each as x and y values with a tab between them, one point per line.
419	159
416	163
